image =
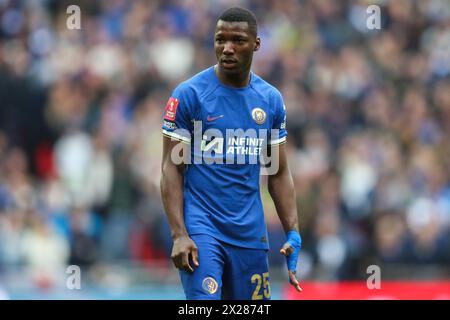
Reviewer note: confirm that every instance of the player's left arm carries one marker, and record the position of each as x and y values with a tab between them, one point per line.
281	189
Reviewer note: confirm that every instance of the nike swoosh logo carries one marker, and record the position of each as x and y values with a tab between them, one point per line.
209	118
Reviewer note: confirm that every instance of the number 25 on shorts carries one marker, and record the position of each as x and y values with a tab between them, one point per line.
264	280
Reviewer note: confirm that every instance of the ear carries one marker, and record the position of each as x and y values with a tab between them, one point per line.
257	44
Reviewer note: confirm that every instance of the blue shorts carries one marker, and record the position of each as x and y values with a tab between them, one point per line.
226	272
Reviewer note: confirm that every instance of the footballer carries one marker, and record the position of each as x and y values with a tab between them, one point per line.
212	197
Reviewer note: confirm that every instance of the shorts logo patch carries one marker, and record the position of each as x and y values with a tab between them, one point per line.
258	115
171	109
210	285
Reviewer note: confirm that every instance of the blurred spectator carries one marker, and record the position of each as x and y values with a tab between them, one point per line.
84	235
45	252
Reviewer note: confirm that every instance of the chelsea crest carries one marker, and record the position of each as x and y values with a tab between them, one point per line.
258	115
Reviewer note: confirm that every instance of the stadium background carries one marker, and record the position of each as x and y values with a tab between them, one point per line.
80	145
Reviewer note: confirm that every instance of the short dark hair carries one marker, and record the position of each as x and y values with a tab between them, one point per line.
237	14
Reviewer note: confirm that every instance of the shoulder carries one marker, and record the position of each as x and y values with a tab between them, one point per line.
265	88
195	85
269	92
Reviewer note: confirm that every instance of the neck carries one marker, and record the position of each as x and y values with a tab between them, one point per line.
239	80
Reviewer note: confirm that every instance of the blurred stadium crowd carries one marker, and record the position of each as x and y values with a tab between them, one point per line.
368	116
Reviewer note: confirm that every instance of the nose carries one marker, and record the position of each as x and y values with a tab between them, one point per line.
228	48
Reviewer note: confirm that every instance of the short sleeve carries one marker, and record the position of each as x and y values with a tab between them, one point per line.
278	131
177	117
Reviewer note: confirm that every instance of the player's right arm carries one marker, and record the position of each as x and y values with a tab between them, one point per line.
172	197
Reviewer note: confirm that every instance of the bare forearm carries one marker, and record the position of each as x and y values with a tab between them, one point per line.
281	189
172	197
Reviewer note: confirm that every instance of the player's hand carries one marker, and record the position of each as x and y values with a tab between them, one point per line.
183	249
290	250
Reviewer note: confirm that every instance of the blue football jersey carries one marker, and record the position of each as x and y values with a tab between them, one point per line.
228	130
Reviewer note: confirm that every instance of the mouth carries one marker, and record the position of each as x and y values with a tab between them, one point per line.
228	63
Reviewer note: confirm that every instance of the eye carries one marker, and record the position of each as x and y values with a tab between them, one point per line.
220	41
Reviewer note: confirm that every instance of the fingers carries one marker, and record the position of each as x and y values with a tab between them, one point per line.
183	249
294	282
176	259
181	260
195	256
286	250
185	262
